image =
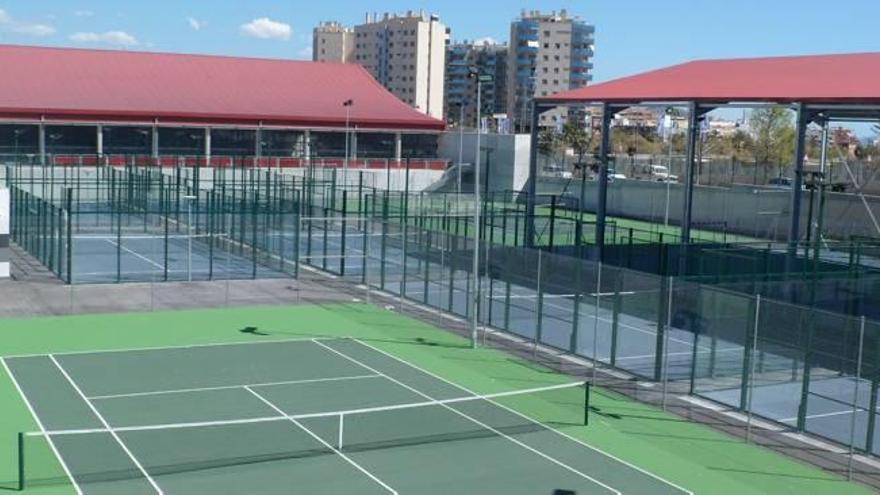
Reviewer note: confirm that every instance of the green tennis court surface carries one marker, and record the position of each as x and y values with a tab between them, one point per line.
336	399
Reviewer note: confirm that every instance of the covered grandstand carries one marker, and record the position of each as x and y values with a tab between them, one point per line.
103	103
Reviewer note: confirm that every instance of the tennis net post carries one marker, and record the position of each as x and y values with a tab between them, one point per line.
20	459
587	403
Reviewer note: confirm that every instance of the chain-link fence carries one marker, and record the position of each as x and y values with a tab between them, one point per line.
739	342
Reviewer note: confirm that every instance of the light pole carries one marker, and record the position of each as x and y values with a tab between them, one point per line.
189	236
475	74
460	143
347	104
669	112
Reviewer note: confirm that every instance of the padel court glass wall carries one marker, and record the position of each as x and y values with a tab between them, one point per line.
778	344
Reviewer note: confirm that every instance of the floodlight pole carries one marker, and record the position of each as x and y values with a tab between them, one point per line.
476	292
460	143
347	104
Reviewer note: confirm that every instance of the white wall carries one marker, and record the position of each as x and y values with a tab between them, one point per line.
507	156
4	233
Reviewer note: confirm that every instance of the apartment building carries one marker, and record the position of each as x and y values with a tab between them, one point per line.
461	93
548	53
406	54
332	42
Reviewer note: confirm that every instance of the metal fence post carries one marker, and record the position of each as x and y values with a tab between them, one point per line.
665	364
852	424
596	320
751	377
539	308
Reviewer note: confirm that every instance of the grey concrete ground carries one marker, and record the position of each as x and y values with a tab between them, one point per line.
35	291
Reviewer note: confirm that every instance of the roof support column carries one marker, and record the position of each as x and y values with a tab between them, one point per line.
207	151
693	135
99	140
154	145
353	146
41	141
398	147
794	232
307	146
532	182
258	142
602	197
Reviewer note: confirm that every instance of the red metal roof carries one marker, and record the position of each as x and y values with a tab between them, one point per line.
846	78
65	83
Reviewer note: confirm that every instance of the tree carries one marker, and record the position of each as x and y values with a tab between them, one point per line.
551	148
579	139
741	143
774	137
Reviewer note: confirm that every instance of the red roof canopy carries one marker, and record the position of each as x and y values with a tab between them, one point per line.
65	83
829	79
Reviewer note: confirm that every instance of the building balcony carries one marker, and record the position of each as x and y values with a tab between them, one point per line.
527	37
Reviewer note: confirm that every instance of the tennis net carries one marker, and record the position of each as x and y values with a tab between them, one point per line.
93	455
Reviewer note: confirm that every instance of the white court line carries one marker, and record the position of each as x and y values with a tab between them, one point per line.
148	260
107	425
230	387
563	434
626	325
172	347
41	427
827	415
683	353
322	441
472	419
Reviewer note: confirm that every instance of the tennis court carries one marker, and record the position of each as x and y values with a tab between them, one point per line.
331	415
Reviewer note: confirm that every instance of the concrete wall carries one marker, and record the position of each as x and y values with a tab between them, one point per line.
4	233
504	159
759	212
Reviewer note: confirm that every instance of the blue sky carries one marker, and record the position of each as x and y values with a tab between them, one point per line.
632	35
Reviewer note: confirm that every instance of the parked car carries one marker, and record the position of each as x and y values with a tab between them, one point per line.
557	171
780	183
660	173
613	175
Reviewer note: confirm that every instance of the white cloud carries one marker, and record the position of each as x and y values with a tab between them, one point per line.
265	28
117	38
488	40
84	13
195	23
10	24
